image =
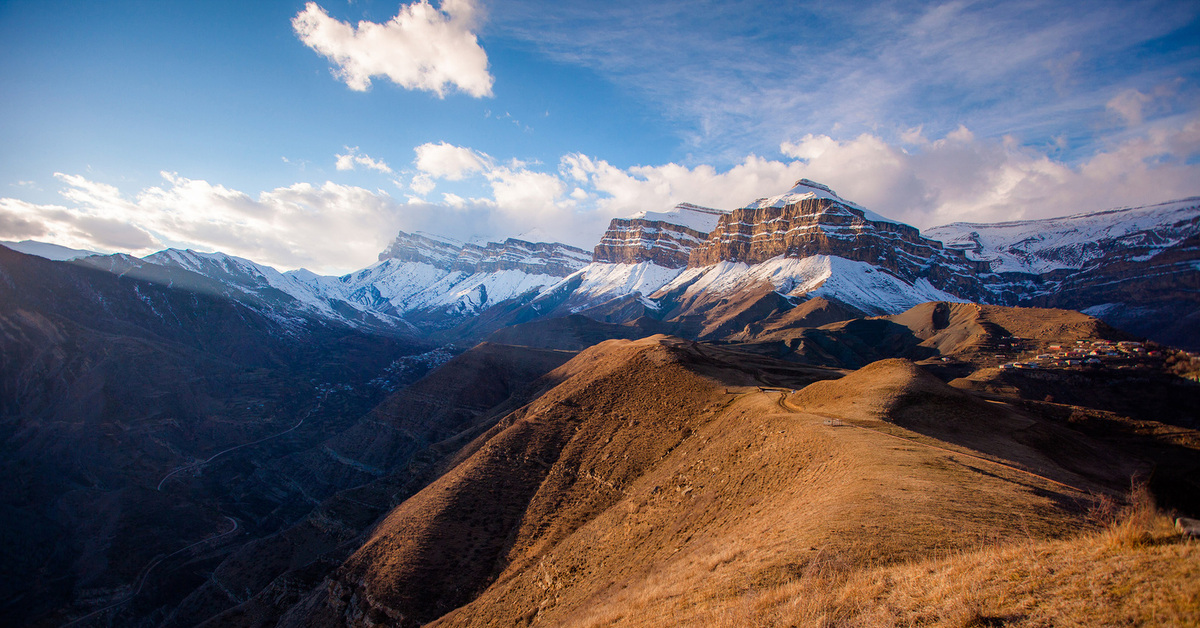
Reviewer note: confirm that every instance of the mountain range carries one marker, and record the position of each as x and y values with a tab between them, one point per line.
1135	268
721	416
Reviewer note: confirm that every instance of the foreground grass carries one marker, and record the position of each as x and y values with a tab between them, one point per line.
1137	571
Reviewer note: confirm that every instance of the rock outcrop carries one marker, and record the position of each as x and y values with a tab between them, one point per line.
542	258
810	219
665	239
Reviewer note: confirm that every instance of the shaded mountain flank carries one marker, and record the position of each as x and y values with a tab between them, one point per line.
109	383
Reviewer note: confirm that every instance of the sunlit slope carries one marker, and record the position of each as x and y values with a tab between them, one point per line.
659	483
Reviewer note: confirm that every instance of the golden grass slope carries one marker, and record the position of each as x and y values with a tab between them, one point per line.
1136	572
664	482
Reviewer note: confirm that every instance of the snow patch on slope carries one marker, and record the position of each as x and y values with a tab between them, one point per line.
472	293
1039	246
857	284
702	219
606	281
805	190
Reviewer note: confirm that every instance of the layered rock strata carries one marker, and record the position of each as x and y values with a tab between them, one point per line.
806	224
665	239
541	258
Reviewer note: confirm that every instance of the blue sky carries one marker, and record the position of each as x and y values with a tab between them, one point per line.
306	134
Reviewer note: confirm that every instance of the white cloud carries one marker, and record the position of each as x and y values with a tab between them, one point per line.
657	188
327	228
454	200
964	178
334	228
423	184
447	161
524	192
421	48
352	158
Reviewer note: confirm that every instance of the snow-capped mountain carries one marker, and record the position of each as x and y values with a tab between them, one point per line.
804	243
420	278
1134	267
46	250
1071	242
539	258
1137	268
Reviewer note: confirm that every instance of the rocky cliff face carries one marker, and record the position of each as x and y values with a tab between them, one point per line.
811	220
541	258
665	239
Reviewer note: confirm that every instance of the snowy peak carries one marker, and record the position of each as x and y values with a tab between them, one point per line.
807	190
543	258
810	219
694	217
424	248
1072	242
46	250
804	189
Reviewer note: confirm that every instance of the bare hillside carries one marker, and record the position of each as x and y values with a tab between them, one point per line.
665	482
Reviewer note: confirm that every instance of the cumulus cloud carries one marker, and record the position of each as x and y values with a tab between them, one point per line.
525	192
964	178
447	161
925	181
19	220
352	158
515	188
327	228
656	188
423	47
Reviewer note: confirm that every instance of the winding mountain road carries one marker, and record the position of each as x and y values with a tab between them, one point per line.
196	465
145	572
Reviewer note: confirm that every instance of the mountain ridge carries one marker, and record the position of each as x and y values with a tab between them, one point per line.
431	284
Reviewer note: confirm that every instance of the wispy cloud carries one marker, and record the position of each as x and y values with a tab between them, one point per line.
742	76
422	47
352	158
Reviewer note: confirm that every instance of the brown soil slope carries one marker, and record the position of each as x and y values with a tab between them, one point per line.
814	312
956	327
896	393
654	487
387	456
546	470
924	331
